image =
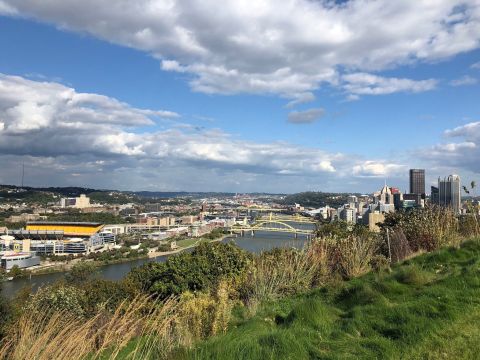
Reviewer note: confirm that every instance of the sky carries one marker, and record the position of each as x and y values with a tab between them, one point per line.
238	96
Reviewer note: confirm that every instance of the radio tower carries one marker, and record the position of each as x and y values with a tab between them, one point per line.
23	173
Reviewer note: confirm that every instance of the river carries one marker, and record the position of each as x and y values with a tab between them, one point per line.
260	242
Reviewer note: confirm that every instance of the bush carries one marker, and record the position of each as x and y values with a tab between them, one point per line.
277	273
399	246
426	228
81	272
351	256
105	295
202	315
59	298
195	271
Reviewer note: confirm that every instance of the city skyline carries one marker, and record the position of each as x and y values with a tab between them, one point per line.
262	98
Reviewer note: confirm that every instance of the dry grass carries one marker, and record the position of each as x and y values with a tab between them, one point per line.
58	335
282	273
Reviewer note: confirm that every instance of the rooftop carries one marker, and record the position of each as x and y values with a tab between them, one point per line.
73	223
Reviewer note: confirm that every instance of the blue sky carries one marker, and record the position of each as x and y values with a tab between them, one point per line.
377	105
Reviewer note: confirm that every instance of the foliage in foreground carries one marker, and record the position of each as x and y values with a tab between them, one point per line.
423	310
218	286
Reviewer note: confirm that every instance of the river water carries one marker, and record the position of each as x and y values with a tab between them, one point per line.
260	242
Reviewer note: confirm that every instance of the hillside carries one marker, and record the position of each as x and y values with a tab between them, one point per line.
316	199
427	308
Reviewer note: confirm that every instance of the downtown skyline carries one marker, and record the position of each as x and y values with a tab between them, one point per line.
162	96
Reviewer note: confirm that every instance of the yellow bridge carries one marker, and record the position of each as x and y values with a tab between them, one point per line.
288	218
272	225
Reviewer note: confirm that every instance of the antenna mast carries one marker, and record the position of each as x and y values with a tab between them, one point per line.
23	173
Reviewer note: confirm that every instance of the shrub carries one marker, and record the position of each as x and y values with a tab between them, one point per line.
277	273
426	228
202	315
351	256
81	272
399	246
196	271
59	298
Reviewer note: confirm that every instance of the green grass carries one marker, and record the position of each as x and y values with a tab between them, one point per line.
186	242
427	308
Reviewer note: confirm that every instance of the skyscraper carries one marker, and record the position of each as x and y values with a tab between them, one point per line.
434	195
417	181
449	192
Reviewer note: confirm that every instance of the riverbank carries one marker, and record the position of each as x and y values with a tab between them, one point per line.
263	241
64	266
155	254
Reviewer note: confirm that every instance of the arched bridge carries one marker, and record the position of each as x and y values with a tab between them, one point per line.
271	225
288	218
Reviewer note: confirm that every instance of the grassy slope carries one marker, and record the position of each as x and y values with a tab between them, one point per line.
427	308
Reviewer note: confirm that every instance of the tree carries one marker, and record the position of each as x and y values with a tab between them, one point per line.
195	271
60	298
81	272
472	208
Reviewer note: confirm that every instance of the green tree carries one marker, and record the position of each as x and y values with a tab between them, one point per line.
59	297
81	272
195	271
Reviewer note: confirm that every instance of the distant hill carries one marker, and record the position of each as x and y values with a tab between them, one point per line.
104	195
316	199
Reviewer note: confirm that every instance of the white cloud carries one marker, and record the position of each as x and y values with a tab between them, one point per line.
469	131
95	139
378	169
357	84
464	80
305	117
456	156
300	99
475	65
287	48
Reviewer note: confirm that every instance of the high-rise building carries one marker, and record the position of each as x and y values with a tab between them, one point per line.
434	195
384	196
417	181
449	192
82	201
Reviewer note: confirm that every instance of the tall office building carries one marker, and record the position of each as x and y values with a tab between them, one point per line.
449	192
434	195
417	181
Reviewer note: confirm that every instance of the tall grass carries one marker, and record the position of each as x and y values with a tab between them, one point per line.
279	273
427	229
61	335
51	327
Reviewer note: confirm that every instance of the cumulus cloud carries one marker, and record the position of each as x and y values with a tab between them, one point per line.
288	48
85	138
357	84
464	80
305	117
460	155
378	169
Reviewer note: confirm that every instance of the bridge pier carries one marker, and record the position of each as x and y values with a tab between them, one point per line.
253	233
296	235
242	233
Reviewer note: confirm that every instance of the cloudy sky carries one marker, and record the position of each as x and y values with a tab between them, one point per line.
238	95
